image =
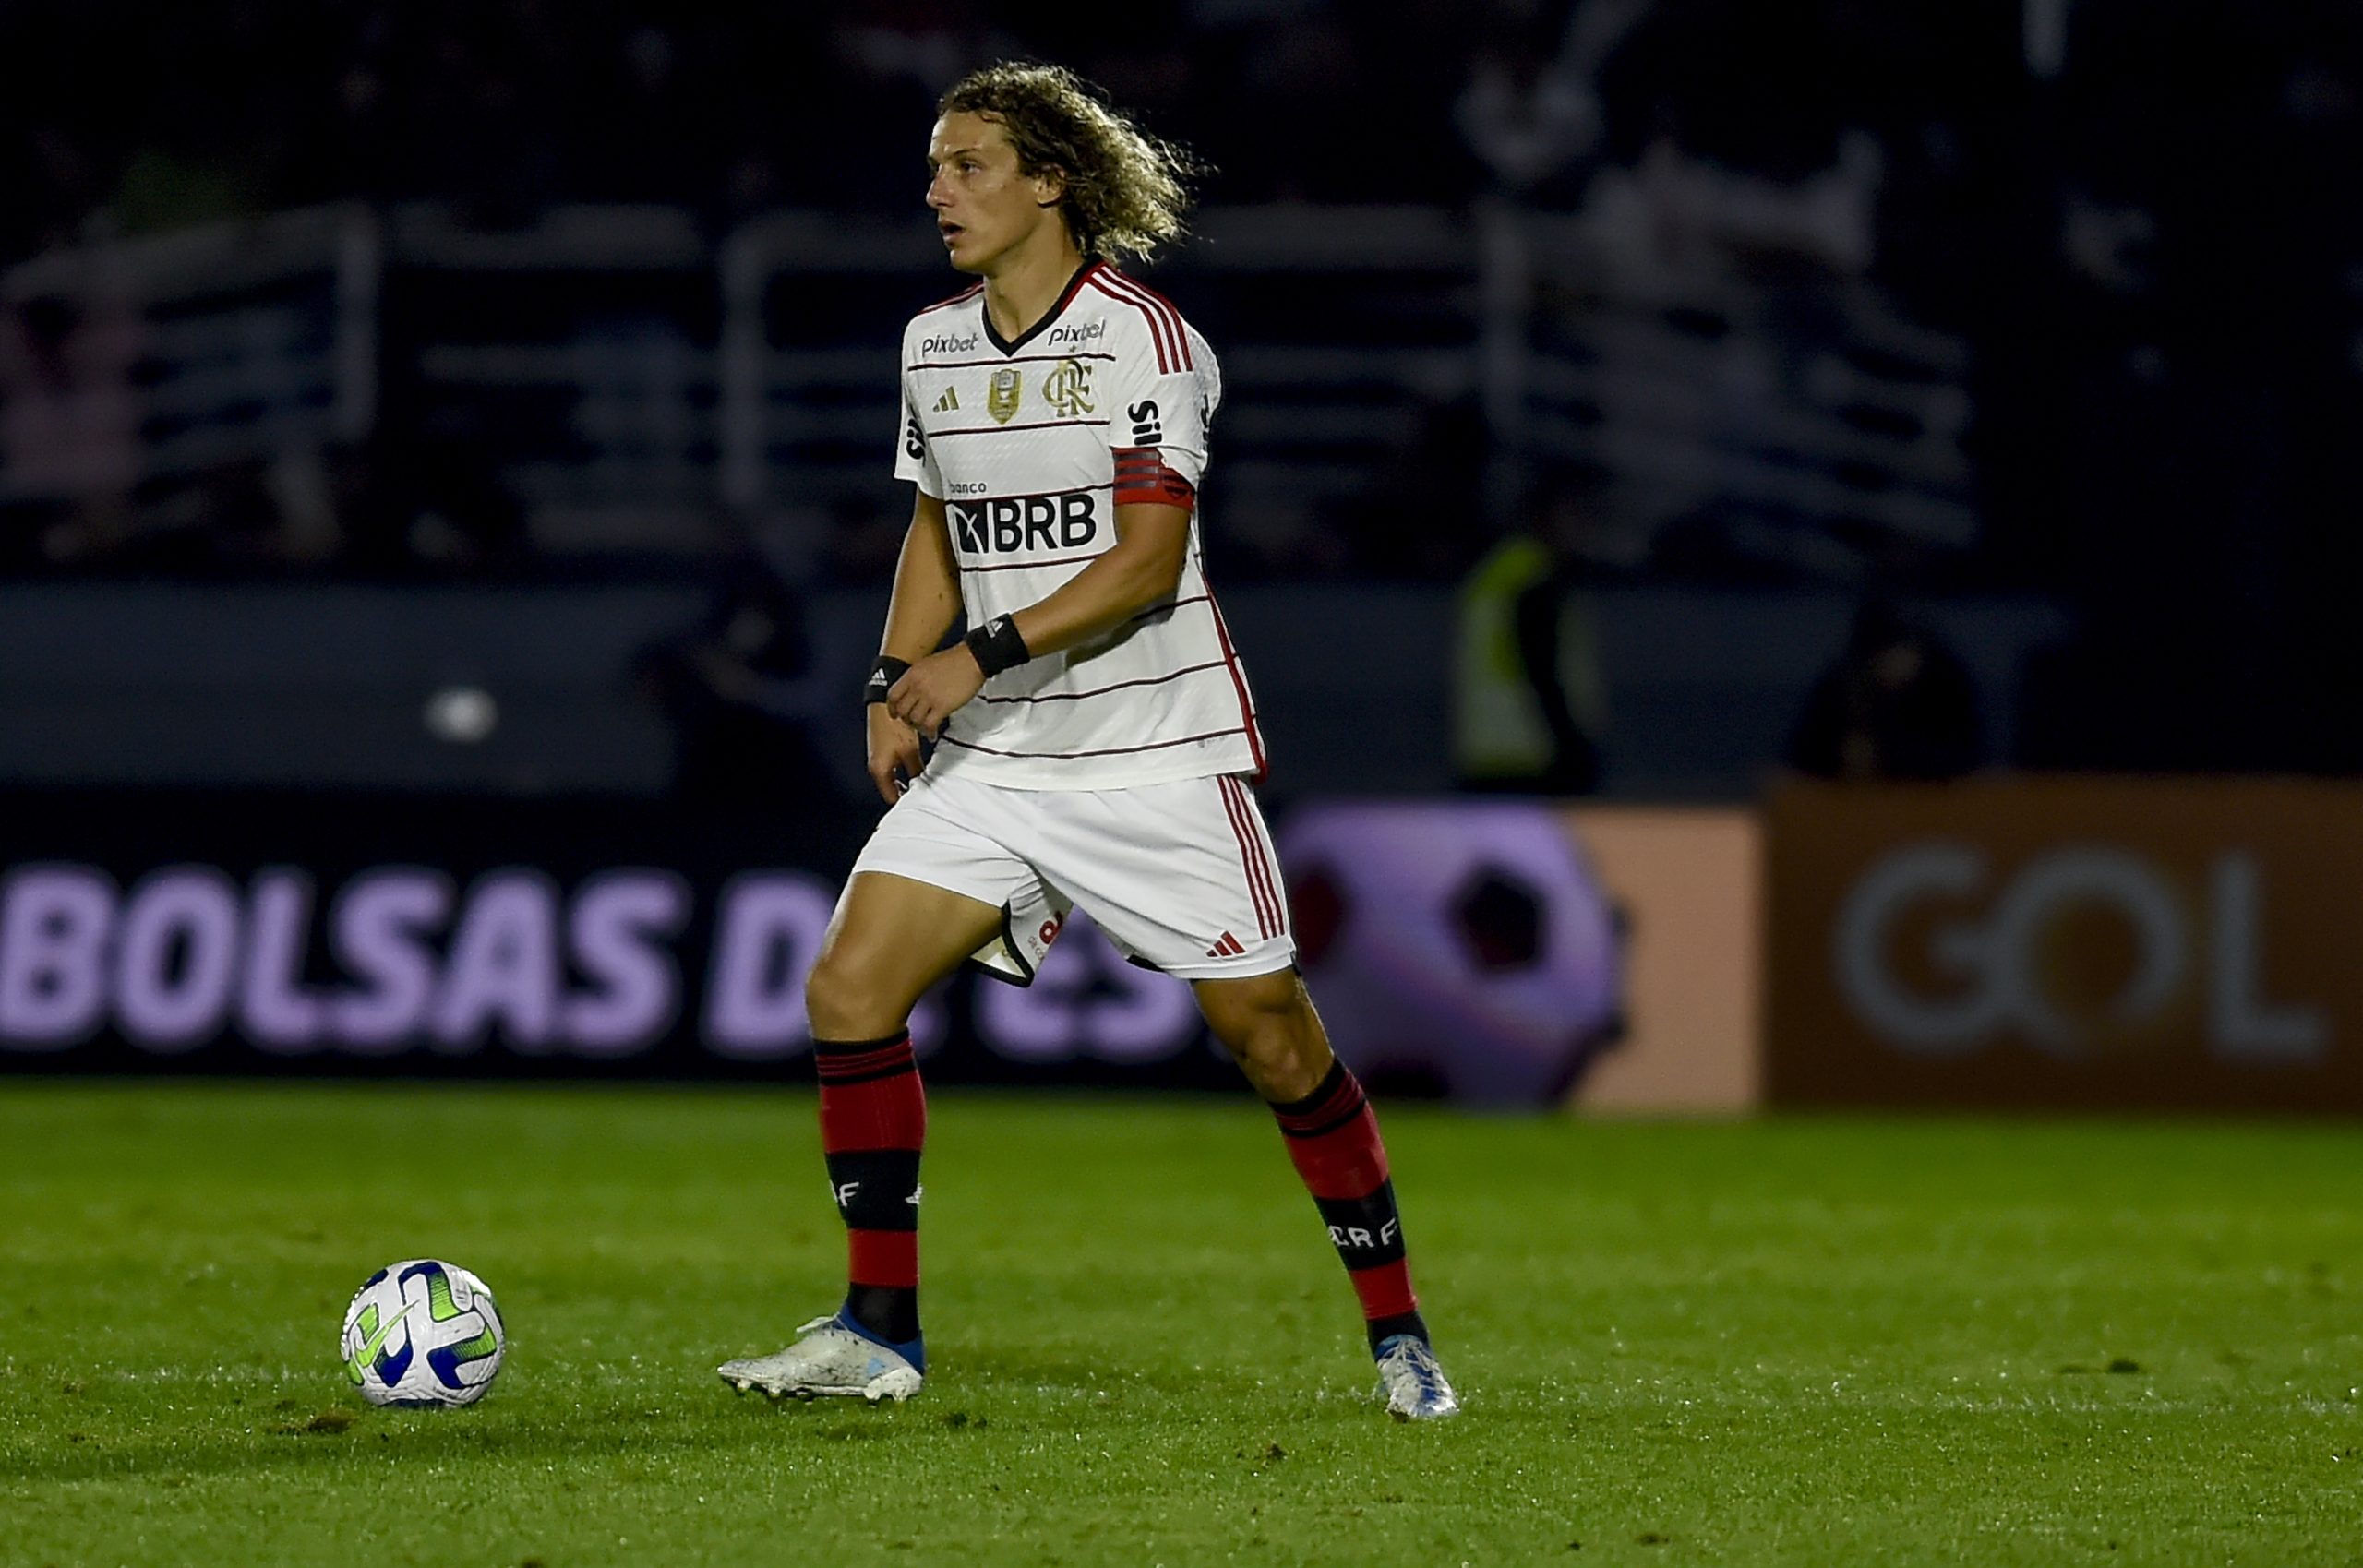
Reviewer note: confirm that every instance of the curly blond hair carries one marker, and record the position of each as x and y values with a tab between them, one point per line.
1126	193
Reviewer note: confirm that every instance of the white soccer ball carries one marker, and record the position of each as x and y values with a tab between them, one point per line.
423	1333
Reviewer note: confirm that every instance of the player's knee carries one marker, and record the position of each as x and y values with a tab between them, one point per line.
1268	1025
843	1003
1245	1011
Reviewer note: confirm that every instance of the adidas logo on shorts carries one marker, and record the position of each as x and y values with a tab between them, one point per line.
1227	947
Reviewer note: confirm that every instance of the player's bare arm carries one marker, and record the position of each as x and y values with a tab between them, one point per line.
926	600
1142	567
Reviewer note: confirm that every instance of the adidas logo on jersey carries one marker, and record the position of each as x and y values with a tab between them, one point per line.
1227	947
949	402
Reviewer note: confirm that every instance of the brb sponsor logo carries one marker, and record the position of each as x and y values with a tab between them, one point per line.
1009	525
2077	952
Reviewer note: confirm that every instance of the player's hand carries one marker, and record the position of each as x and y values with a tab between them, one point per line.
935	689
894	753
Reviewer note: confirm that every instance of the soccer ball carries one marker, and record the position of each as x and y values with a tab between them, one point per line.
423	1333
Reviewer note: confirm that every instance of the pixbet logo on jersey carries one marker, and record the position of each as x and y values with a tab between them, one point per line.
1077	337
950	345
1008	524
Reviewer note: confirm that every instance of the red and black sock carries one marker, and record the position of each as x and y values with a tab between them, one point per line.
873	1123
1333	1137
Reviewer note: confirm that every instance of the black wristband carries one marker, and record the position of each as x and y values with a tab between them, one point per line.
998	646
883	676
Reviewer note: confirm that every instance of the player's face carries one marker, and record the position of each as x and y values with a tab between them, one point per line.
984	208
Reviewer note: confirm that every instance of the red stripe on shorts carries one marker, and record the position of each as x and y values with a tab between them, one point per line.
1261	887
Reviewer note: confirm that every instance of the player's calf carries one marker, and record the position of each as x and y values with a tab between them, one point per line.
1270	1027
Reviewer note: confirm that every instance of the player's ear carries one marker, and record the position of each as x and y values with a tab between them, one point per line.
1051	186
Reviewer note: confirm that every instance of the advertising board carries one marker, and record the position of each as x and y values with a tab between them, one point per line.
1456	949
414	936
2078	942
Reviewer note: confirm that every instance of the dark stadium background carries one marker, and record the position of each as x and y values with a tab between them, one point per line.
456	435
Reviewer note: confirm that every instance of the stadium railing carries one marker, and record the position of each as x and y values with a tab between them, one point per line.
629	378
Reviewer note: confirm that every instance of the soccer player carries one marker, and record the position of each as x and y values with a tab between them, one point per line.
1094	736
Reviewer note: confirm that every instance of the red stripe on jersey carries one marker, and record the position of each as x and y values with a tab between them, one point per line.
1251	860
1159	302
1070	756
1170	605
999	429
1238	679
1030	566
1103	690
1158	307
1167	320
1157	328
1151	484
996	361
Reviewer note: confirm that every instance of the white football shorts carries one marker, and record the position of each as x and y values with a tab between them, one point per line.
1179	875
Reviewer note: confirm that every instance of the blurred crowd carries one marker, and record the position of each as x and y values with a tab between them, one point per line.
126	119
2136	214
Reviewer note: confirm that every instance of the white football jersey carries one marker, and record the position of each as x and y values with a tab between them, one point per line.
1031	446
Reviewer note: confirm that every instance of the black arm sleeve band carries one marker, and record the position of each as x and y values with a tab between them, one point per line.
998	646
883	676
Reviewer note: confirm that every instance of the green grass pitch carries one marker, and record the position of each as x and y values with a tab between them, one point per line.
1808	1342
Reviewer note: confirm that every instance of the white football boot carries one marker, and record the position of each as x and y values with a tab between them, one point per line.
1415	1386
829	1361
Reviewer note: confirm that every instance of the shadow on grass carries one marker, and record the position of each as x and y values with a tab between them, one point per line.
1016	1390
376	1440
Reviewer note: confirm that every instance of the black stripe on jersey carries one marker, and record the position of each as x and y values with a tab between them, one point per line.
1012	429
1071	756
1172	605
1102	691
992	363
1030	566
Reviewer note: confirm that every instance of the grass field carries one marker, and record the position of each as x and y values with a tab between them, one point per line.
1793	1342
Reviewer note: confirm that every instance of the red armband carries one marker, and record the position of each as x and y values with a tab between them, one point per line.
1142	479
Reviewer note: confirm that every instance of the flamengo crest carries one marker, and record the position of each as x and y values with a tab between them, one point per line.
1068	389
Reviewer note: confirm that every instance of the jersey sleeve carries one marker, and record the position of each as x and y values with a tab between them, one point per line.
914	458
1164	395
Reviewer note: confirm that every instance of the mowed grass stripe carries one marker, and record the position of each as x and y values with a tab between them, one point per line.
1782	1342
